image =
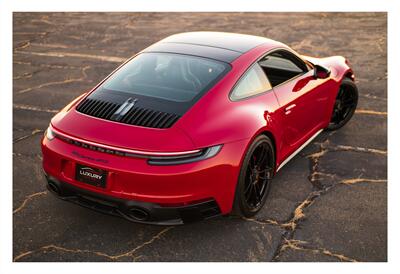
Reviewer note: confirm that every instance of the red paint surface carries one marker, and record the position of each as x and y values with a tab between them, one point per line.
213	120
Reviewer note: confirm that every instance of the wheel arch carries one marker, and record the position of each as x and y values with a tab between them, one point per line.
349	74
271	136
262	132
268	133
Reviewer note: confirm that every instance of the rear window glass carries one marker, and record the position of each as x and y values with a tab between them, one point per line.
167	76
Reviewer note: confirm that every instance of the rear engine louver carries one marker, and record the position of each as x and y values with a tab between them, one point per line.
135	116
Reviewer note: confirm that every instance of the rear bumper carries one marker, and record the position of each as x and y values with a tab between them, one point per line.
168	194
135	211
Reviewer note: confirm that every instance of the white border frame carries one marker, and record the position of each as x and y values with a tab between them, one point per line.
9	6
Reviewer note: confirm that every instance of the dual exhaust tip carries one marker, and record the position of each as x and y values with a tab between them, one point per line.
138	214
135	213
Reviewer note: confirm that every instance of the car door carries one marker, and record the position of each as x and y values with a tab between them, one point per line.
302	102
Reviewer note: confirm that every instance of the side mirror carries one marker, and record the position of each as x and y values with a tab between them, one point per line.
321	72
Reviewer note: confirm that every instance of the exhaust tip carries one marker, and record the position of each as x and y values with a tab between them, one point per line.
138	214
53	188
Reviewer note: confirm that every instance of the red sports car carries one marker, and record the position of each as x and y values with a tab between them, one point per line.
193	127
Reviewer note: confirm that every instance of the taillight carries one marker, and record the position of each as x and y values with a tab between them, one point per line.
50	133
202	154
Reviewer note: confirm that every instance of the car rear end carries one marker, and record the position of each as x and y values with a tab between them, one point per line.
123	153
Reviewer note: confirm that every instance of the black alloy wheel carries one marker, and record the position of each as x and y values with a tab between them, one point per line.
255	177
345	104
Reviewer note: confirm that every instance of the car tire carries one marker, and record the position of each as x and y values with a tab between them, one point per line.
248	173
340	115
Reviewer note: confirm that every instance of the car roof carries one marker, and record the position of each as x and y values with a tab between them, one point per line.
222	46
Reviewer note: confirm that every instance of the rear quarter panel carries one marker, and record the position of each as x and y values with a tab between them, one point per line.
215	119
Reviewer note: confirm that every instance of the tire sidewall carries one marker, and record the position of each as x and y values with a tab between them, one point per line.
345	82
240	206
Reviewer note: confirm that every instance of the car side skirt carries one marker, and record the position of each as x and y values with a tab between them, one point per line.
299	149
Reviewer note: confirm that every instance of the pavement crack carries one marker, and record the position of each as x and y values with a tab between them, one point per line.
302	245
325	147
66	81
23	45
29	33
16	258
33	133
298	213
43	19
371	112
58	248
358	149
133	251
130	253
25	75
328	147
369	96
318	154
52	66
27	43
314	177
263	222
33	108
27	199
112	59
362	180
50	45
314	163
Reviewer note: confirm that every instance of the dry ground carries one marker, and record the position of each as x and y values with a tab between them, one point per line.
328	204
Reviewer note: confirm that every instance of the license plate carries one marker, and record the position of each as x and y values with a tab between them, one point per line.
90	175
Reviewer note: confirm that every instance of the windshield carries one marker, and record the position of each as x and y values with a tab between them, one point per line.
169	76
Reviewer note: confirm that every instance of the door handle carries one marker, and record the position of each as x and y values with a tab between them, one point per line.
289	108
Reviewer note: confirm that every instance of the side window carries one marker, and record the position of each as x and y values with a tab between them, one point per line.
252	83
281	66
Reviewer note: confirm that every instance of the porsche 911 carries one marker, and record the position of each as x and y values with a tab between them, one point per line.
193	127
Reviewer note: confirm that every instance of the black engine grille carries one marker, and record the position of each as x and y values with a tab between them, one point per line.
135	116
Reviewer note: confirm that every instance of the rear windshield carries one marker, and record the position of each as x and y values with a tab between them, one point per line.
169	76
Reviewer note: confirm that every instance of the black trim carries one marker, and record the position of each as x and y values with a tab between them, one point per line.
230	41
193	44
215	53
134	211
126	113
258	60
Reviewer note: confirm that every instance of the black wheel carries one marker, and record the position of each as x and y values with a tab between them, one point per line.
345	104
255	177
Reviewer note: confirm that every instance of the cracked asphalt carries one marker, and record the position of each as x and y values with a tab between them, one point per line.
328	204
